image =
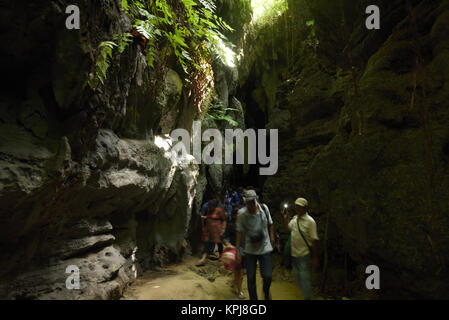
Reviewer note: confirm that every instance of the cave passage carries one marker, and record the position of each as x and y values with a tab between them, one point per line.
101	199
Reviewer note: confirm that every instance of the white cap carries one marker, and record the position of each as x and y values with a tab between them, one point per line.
301	202
250	195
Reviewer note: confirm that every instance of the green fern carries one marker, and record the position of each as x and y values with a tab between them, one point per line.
122	40
102	63
125	6
217	112
311	24
193	36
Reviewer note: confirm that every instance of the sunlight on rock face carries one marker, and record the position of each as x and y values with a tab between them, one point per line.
267	9
133	260
227	55
163	142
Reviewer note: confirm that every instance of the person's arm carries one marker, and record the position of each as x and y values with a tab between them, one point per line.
314	253
271	228
224	219
203	221
314	247
227	243
204	211
239	234
270	222
285	219
238	243
225	237
224	227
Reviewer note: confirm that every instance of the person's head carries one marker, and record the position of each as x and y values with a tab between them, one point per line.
301	205
213	203
228	258
250	198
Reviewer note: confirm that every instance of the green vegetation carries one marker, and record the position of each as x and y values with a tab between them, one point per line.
265	11
312	40
190	29
104	54
217	112
102	63
311	24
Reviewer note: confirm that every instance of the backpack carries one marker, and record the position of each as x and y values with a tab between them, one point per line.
256	236
264	209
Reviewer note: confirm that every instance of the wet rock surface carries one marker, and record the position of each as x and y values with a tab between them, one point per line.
86	179
364	146
83	181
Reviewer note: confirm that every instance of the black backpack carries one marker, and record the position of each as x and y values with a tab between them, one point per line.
256	236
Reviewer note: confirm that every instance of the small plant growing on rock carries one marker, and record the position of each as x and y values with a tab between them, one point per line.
190	28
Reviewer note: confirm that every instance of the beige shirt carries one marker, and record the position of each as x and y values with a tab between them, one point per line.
308	229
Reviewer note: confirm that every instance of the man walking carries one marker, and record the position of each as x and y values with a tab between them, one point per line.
303	245
253	221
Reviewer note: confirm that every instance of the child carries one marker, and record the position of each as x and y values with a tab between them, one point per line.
229	240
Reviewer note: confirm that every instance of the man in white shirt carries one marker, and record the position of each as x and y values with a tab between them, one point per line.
303	245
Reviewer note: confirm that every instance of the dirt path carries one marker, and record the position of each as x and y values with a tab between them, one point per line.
185	281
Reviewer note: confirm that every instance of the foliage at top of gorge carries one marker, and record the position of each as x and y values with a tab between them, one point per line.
189	30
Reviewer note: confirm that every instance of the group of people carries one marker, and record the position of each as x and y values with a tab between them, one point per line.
240	221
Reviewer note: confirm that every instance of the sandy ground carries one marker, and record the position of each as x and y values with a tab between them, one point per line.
185	281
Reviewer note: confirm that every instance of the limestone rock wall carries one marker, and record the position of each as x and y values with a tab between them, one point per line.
363	135
84	179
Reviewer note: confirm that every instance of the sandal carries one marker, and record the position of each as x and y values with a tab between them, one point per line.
241	295
200	263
